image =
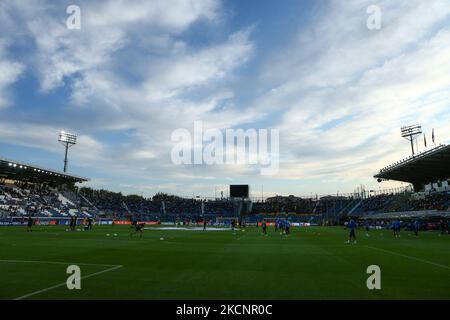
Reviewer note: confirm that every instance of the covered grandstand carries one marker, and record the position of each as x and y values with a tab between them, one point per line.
421	169
31	190
428	172
21	171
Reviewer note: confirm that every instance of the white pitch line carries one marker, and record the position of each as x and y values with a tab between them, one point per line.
410	257
65	283
58	262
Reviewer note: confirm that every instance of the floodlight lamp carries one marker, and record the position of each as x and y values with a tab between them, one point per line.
68	138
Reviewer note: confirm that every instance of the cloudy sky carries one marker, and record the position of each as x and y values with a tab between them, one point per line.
138	70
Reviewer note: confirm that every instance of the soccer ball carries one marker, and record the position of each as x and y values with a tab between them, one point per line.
115	234
161	238
107	234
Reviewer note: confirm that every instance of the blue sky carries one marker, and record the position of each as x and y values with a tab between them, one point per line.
138	70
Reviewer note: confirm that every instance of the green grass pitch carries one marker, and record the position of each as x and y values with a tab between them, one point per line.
311	263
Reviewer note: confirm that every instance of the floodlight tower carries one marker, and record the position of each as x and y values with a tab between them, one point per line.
410	132
67	140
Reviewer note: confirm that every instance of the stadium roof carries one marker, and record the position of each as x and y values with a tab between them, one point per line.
17	170
421	169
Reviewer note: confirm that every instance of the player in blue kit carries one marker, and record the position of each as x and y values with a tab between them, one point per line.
396	227
287	227
367	226
352	231
416	227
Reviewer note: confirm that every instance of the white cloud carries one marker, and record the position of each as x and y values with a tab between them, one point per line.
344	95
10	70
106	27
337	91
9	74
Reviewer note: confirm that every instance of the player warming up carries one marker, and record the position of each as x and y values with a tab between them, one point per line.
367	227
396	227
30	224
351	226
264	227
138	228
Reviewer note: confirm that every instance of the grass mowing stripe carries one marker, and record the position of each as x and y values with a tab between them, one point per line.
410	257
64	283
312	263
59	262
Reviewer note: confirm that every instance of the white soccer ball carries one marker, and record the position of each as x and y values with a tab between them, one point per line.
115	234
161	238
107	234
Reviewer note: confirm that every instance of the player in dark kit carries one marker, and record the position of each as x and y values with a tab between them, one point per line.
443	227
88	224
264	227
73	222
204	224
233	226
138	227
30	224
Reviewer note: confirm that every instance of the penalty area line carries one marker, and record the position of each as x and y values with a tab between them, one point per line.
410	257
65	283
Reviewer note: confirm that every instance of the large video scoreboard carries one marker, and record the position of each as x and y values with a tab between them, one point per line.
239	191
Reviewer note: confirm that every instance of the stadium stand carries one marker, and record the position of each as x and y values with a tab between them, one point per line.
386	203
26	189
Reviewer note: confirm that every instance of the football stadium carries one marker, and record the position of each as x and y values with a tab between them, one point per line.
282	247
244	152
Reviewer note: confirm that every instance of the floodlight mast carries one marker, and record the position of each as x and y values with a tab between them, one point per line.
67	140
410	132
